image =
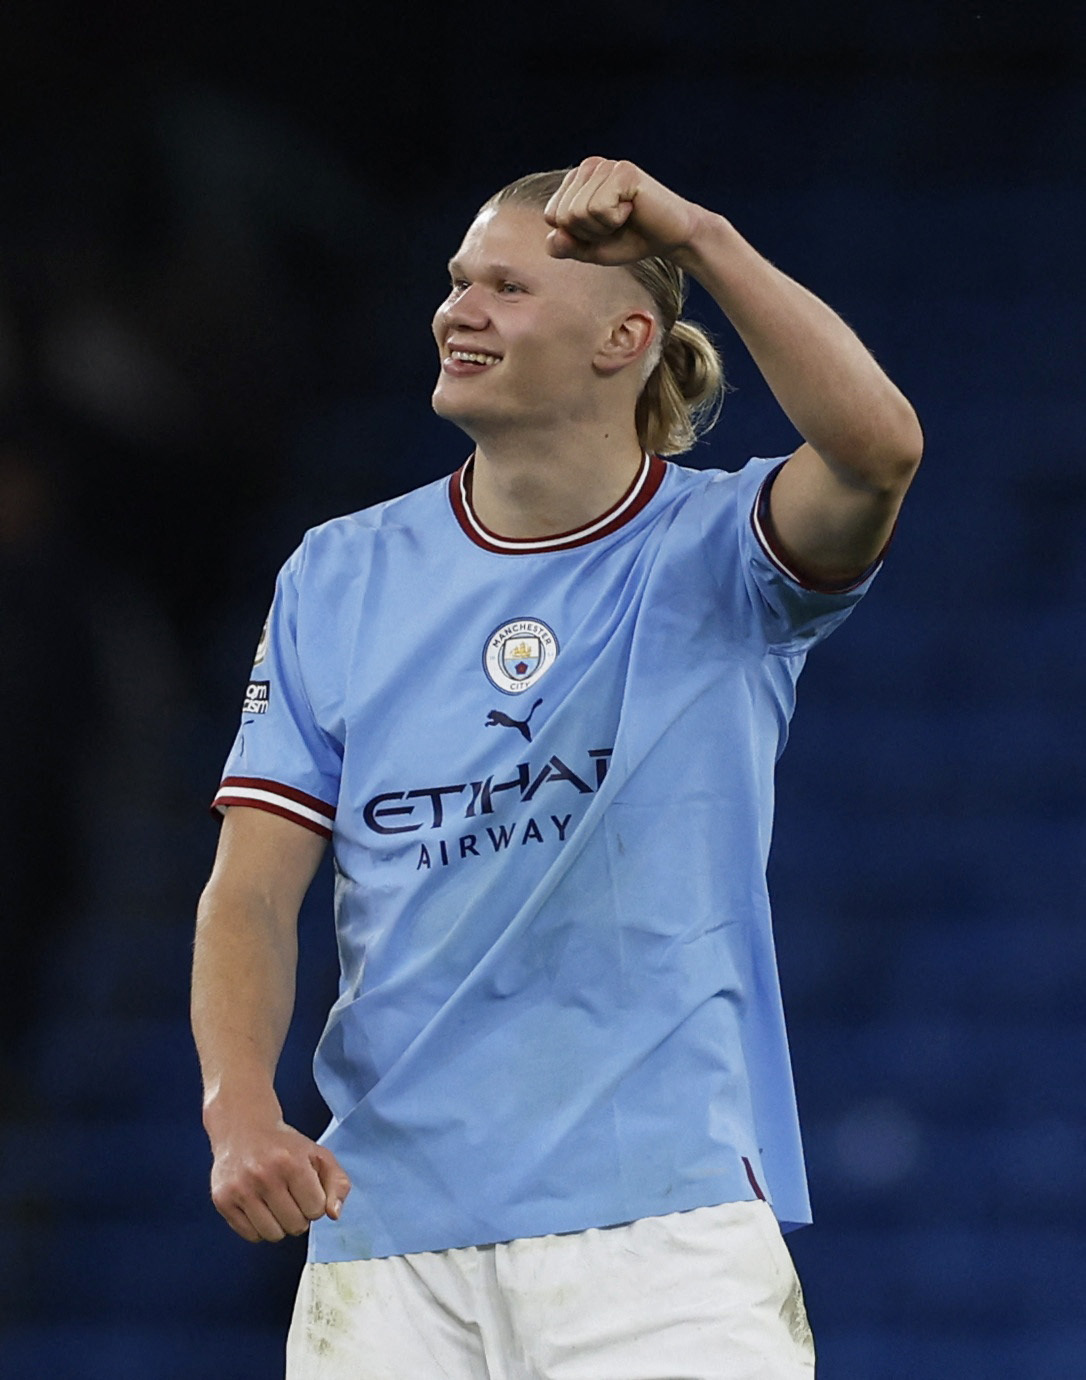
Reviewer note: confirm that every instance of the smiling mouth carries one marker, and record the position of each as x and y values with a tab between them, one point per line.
473	357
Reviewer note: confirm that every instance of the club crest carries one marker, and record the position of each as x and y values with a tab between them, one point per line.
518	653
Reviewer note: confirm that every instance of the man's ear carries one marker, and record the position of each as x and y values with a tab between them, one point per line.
630	338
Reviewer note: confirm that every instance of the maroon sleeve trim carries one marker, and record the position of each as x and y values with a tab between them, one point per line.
311	802
761	521
222	800
259	793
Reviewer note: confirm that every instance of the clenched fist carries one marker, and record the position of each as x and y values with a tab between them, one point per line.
608	212
270	1181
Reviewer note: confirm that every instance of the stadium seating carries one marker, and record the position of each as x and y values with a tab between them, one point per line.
929	880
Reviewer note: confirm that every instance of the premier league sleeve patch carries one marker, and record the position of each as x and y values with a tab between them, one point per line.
256	698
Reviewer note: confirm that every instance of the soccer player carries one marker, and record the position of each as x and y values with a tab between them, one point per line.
536	708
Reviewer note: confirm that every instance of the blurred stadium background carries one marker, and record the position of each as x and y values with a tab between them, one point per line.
222	234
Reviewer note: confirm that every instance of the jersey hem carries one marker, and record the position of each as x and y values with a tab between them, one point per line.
330	1242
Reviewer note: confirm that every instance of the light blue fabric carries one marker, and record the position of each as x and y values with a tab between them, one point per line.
559	1004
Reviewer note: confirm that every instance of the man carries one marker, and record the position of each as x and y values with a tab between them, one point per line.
536	707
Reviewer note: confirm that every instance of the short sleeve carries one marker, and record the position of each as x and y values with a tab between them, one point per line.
282	761
792	613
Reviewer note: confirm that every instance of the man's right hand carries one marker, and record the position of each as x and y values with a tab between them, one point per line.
271	1181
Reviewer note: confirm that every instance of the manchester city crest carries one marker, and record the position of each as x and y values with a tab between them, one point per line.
518	653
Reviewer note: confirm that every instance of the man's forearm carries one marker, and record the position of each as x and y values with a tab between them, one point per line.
243	977
825	380
267	1179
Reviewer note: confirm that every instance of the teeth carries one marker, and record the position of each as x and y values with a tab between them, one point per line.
473	358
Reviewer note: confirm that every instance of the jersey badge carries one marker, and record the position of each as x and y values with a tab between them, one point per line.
262	645
518	653
256	698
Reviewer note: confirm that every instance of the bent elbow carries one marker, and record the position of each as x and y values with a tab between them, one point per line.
909	454
893	457
911	443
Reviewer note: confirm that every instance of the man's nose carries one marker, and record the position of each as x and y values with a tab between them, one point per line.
467	308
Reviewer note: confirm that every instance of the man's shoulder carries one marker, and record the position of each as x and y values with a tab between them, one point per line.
715	477
426	507
712	488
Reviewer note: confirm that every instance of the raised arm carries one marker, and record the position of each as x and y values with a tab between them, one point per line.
268	1180
834	504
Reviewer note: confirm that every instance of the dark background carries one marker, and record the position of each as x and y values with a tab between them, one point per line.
222	235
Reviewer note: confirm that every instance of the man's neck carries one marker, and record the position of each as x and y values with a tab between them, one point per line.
539	486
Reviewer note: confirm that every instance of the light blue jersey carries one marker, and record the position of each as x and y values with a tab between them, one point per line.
547	771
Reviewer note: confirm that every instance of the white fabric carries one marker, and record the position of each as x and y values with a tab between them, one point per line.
709	1294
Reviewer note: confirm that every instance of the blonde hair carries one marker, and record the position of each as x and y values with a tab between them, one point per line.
683	393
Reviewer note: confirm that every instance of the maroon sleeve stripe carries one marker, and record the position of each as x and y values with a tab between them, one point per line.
762	522
224	798
260	783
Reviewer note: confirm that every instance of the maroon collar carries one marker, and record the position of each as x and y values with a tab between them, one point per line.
648	479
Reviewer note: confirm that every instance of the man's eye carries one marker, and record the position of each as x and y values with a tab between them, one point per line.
457	285
509	288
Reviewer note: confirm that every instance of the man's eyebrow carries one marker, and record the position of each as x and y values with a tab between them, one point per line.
491	270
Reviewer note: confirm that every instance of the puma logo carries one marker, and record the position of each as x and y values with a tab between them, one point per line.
497	719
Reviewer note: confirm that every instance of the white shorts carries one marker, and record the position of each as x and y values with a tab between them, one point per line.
710	1294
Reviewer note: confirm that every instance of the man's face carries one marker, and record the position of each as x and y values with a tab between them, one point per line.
519	330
